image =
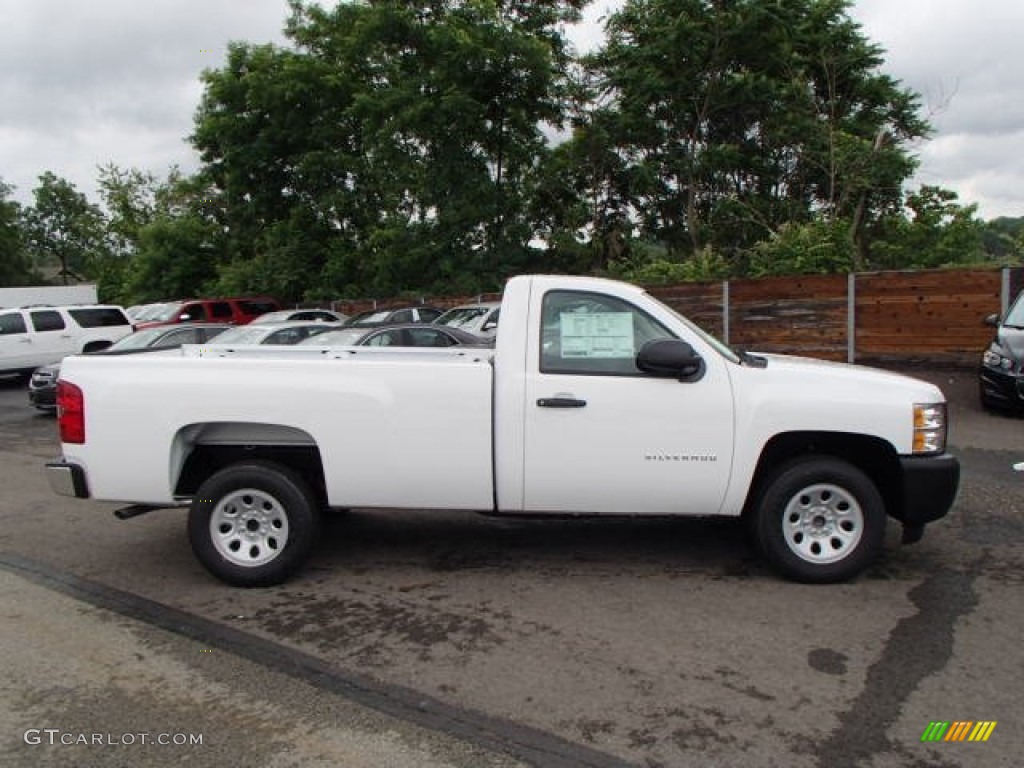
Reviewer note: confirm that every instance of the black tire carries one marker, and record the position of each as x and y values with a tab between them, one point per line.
253	524
820	520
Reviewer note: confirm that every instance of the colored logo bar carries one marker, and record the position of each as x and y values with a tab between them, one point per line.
958	730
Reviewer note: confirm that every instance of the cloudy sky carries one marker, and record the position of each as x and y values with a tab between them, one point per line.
86	83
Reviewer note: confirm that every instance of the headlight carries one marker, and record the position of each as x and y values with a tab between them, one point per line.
993	359
929	427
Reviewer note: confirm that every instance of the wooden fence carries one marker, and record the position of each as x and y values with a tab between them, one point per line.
915	317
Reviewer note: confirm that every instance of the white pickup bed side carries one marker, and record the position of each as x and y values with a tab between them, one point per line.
380	446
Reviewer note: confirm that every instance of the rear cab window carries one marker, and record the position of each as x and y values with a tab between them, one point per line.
98	317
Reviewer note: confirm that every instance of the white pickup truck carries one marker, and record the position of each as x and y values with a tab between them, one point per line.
597	399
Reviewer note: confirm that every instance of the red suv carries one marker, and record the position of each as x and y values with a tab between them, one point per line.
236	311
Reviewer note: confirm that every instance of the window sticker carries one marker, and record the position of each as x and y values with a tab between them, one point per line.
597	335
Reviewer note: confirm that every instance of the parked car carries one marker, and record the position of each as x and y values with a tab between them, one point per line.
481	319
403	335
238	311
271	333
42	386
36	336
420	313
308	315
1001	375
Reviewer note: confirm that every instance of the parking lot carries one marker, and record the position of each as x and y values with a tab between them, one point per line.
437	638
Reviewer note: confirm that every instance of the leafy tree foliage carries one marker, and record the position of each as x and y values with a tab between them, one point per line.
935	231
15	265
735	118
64	229
396	145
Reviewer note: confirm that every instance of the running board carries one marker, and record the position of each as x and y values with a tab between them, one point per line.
124	513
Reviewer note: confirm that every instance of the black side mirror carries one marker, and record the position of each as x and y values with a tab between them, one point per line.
992	320
670	357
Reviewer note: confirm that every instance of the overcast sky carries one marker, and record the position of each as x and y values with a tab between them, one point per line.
88	82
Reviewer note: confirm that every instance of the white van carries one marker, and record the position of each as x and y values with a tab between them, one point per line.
35	336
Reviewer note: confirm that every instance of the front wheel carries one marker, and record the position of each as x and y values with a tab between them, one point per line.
253	524
820	520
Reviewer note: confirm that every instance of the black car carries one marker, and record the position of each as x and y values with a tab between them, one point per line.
373	318
42	387
1001	376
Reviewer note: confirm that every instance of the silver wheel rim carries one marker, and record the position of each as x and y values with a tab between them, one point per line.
823	524
249	527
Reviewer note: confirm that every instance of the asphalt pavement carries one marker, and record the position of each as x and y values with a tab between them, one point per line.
426	638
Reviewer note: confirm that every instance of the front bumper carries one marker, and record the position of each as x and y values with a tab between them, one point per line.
67	479
1001	389
930	484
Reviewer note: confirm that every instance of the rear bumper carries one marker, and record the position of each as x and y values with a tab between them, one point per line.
43	398
67	479
930	484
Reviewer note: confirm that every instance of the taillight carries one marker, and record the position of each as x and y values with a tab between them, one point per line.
70	412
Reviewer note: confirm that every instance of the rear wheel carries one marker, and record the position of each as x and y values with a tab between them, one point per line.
253	524
820	520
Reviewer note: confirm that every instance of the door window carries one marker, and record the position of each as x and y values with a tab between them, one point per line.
392	338
47	320
196	313
590	333
11	323
220	310
429	337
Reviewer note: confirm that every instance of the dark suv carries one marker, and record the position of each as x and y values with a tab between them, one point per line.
1001	376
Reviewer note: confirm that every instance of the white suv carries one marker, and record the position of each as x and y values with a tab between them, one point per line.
35	336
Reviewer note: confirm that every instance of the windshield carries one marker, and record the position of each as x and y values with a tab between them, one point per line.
371	317
150	312
138	340
723	349
1015	317
462	317
340	338
167	312
243	335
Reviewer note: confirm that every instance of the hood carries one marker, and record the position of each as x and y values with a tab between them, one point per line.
860	379
1012	340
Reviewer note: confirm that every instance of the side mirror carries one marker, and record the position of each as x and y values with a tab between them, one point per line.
670	358
490	325
992	320
184	317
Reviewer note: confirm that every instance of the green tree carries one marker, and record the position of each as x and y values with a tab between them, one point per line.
400	141
176	236
934	231
64	230
15	268
735	118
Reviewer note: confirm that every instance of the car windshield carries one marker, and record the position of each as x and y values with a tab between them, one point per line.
1015	317
149	312
138	340
371	317
167	312
246	334
462	317
339	338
